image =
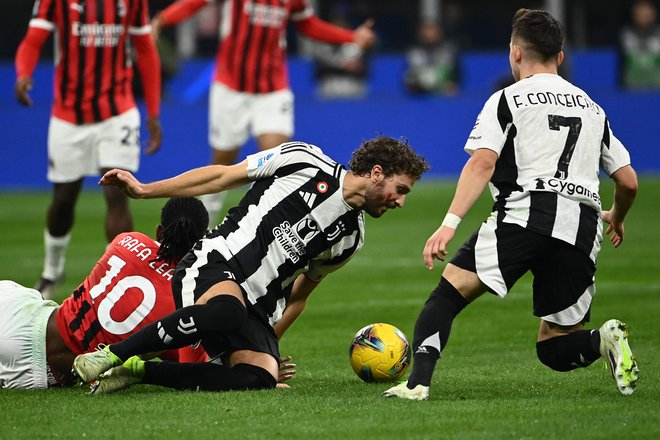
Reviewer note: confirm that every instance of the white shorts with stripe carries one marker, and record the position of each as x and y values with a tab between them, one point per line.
234	115
23	321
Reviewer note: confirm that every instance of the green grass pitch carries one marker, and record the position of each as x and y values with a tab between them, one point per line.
488	385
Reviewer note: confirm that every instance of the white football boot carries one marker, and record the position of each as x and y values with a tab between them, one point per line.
420	392
615	350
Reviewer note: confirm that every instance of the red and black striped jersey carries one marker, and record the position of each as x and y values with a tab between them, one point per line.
93	67
125	291
251	54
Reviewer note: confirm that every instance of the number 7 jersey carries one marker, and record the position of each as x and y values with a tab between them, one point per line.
551	140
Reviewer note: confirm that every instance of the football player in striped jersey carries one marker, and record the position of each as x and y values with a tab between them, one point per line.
539	144
94	124
250	93
242	286
128	288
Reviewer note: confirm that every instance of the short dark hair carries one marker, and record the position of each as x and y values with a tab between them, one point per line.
183	221
542	33
394	156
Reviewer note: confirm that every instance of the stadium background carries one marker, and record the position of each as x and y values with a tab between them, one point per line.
437	126
490	384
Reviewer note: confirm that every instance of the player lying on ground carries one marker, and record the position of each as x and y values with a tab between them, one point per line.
245	283
539	142
128	288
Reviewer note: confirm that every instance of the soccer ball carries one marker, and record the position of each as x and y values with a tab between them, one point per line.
379	353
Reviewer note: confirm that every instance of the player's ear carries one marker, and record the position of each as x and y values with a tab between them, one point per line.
376	173
560	58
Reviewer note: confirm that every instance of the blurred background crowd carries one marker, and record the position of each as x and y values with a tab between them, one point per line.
431	34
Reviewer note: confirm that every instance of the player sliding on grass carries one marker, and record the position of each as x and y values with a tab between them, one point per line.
128	288
244	284
540	143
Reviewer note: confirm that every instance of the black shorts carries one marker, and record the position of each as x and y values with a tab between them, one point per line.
195	274
254	335
500	253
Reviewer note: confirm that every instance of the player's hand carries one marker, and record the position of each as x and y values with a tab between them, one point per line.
436	245
614	227
156	26
22	89
124	181
287	370
364	34
155	135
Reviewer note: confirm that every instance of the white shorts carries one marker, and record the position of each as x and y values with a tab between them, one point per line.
23	321
76	151
233	116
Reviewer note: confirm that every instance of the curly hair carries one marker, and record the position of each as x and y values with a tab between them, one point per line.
183	221
543	34
394	156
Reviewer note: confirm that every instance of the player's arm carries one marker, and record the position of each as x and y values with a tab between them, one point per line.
315	28
27	57
473	180
148	63
176	13
302	288
196	182
625	191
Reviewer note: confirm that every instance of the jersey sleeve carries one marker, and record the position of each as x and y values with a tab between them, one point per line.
140	25
266	163
492	125
613	154
43	15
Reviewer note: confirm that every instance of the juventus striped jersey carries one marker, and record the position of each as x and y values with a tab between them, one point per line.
251	55
293	220
551	139
93	68
125	291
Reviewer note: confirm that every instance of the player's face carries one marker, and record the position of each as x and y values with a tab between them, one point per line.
388	193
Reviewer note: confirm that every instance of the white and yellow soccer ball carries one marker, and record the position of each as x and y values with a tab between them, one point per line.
379	353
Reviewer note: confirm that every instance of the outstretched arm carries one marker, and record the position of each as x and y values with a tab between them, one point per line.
302	288
196	182
625	191
473	180
317	29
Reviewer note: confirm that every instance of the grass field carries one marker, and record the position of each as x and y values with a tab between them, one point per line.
488	385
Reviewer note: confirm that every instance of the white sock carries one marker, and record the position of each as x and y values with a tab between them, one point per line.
213	204
55	249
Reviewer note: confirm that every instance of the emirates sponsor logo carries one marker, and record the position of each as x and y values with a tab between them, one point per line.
97	34
265	15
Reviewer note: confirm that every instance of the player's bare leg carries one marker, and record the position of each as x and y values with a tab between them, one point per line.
118	217
57	235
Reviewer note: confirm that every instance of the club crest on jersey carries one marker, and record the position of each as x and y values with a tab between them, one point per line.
322	187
